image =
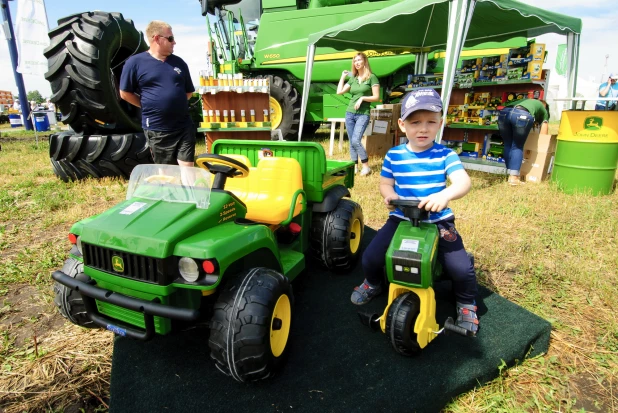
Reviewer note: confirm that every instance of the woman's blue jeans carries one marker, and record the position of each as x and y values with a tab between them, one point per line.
356	125
515	125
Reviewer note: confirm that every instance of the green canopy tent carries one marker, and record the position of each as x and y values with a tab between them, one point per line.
445	24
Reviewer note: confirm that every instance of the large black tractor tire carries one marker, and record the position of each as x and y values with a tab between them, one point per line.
75	157
286	107
250	326
68	301
85	58
336	236
400	320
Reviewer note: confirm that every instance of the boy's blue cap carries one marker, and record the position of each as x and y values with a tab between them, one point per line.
421	99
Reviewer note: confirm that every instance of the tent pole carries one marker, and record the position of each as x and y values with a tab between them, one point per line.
306	86
572	66
460	16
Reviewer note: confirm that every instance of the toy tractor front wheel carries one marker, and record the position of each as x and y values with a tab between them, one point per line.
336	235
400	320
68	301
250	326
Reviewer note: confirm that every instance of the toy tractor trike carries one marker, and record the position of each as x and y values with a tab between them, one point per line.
187	247
409	319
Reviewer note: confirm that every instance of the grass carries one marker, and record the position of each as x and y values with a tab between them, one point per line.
552	253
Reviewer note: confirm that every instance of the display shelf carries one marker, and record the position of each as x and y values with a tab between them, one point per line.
213	90
471	126
253	129
507	82
409	89
483	165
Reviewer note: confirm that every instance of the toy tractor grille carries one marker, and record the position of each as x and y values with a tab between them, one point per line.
137	267
407	267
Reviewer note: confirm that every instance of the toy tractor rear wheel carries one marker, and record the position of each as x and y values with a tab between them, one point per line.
336	235
400	320
250	326
68	301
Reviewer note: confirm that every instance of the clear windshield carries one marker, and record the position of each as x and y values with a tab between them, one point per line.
171	183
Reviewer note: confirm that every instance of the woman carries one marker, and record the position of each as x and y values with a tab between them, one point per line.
365	88
515	122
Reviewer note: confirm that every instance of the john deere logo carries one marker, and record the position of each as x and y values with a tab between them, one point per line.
593	123
117	264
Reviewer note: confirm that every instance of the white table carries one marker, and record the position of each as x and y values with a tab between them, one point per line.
333	123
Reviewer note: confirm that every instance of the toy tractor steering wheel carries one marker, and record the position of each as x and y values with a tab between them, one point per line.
411	210
222	167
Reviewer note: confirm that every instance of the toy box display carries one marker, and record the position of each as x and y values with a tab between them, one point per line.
469	65
465	80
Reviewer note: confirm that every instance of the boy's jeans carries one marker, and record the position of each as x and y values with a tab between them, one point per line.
456	263
356	125
514	125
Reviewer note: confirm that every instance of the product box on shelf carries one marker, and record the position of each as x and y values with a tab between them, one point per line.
465	80
468	65
519	56
512	96
473	155
377	145
514	73
537	50
534	71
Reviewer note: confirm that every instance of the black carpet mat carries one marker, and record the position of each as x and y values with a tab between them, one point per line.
335	363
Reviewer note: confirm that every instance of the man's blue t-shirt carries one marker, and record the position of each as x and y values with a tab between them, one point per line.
163	88
613	93
420	174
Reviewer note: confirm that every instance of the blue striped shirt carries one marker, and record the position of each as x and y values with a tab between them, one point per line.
420	174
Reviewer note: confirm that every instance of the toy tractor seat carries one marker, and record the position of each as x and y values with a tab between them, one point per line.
271	190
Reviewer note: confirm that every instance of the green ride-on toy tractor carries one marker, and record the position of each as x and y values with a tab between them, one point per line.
409	319
216	245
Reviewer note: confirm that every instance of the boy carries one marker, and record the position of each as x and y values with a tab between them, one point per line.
418	171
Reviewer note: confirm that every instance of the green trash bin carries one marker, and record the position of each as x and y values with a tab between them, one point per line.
587	152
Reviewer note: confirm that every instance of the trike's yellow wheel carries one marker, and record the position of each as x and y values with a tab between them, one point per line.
356	234
276	113
280	325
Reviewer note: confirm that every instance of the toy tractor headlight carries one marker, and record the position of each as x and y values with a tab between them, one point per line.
189	270
77	241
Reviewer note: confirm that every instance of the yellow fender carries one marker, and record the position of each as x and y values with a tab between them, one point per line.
426	325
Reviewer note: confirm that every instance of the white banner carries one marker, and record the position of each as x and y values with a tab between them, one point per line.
31	36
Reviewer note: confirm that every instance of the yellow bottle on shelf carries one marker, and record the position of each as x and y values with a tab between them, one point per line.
225	116
232	116
252	114
265	115
217	116
211	115
242	116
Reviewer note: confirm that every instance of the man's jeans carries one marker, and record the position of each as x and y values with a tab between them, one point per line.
356	125
515	125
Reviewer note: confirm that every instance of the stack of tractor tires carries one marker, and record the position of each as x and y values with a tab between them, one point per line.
74	157
85	58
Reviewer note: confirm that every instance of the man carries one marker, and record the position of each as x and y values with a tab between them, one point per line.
159	82
608	89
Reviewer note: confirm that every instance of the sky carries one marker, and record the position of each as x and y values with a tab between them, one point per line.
598	40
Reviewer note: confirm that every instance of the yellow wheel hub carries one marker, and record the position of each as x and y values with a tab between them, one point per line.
280	325
276	113
355	236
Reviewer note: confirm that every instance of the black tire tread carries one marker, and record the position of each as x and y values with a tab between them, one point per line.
76	157
287	96
400	321
330	236
68	301
239	328
85	58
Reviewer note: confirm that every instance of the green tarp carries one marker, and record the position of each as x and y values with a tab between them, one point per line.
423	23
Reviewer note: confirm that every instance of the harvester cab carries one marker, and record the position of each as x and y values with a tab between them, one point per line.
409	319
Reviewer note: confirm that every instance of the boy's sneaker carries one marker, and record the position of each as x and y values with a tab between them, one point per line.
466	317
364	293
365	171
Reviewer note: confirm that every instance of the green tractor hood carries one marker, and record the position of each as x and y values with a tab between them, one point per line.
153	228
